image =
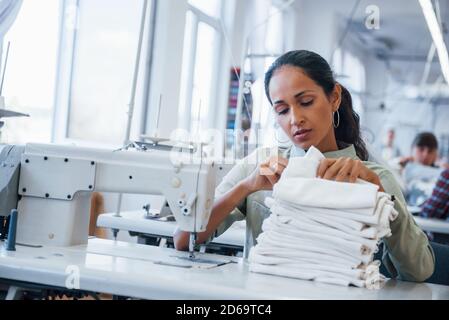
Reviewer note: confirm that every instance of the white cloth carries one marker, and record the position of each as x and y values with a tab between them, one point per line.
329	227
297	152
341	245
374	280
306	256
299	185
314	192
323	230
307	231
304	167
274	242
330	220
389	213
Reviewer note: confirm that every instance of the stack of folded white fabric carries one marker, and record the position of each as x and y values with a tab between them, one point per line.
323	230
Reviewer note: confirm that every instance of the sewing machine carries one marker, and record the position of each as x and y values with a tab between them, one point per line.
155	221
55	184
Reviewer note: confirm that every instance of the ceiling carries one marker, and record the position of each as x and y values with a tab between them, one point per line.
403	39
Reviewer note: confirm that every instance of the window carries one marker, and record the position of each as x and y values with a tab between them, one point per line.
31	70
210	7
350	72
263	130
274	41
103	61
101	68
200	64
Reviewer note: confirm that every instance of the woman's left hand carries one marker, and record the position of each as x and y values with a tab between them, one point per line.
346	170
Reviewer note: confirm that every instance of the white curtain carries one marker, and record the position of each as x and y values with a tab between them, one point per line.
8	13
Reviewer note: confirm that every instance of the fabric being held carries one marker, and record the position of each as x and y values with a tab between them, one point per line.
300	185
373	220
306	191
323	230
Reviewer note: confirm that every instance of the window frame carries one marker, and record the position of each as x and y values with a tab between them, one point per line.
201	17
65	71
51	105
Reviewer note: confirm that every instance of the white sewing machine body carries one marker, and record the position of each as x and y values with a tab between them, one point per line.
56	182
141	225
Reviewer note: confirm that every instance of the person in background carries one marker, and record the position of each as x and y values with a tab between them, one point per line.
420	170
424	150
437	206
389	149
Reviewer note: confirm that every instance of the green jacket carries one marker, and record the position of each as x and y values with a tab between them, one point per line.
407	255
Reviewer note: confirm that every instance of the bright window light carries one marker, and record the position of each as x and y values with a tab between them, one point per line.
437	36
31	71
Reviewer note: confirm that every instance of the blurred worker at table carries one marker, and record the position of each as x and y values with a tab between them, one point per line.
389	149
421	170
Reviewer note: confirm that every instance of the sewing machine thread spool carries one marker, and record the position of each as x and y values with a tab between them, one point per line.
11	241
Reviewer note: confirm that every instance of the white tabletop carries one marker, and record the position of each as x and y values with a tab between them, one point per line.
414	209
135	221
433	225
132	270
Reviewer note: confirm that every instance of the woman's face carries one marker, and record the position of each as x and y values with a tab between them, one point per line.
303	110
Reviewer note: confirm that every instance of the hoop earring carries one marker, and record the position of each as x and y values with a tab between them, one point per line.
338	119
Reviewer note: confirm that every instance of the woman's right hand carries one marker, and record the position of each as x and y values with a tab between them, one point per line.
266	174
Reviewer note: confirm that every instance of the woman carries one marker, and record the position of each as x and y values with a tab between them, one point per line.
313	109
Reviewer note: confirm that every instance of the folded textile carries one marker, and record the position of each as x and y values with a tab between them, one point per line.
373	220
270	243
346	245
301	265
374	281
323	230
307	257
303	232
299	185
338	195
301	222
264	256
284	240
334	220
386	213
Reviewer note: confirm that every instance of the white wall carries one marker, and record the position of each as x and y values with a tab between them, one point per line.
313	29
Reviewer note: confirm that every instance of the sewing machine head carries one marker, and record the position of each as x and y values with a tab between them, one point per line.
55	184
9	180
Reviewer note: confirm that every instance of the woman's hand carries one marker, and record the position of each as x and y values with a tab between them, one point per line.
266	174
346	170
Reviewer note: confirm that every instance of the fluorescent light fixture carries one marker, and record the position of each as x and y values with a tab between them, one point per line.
437	36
